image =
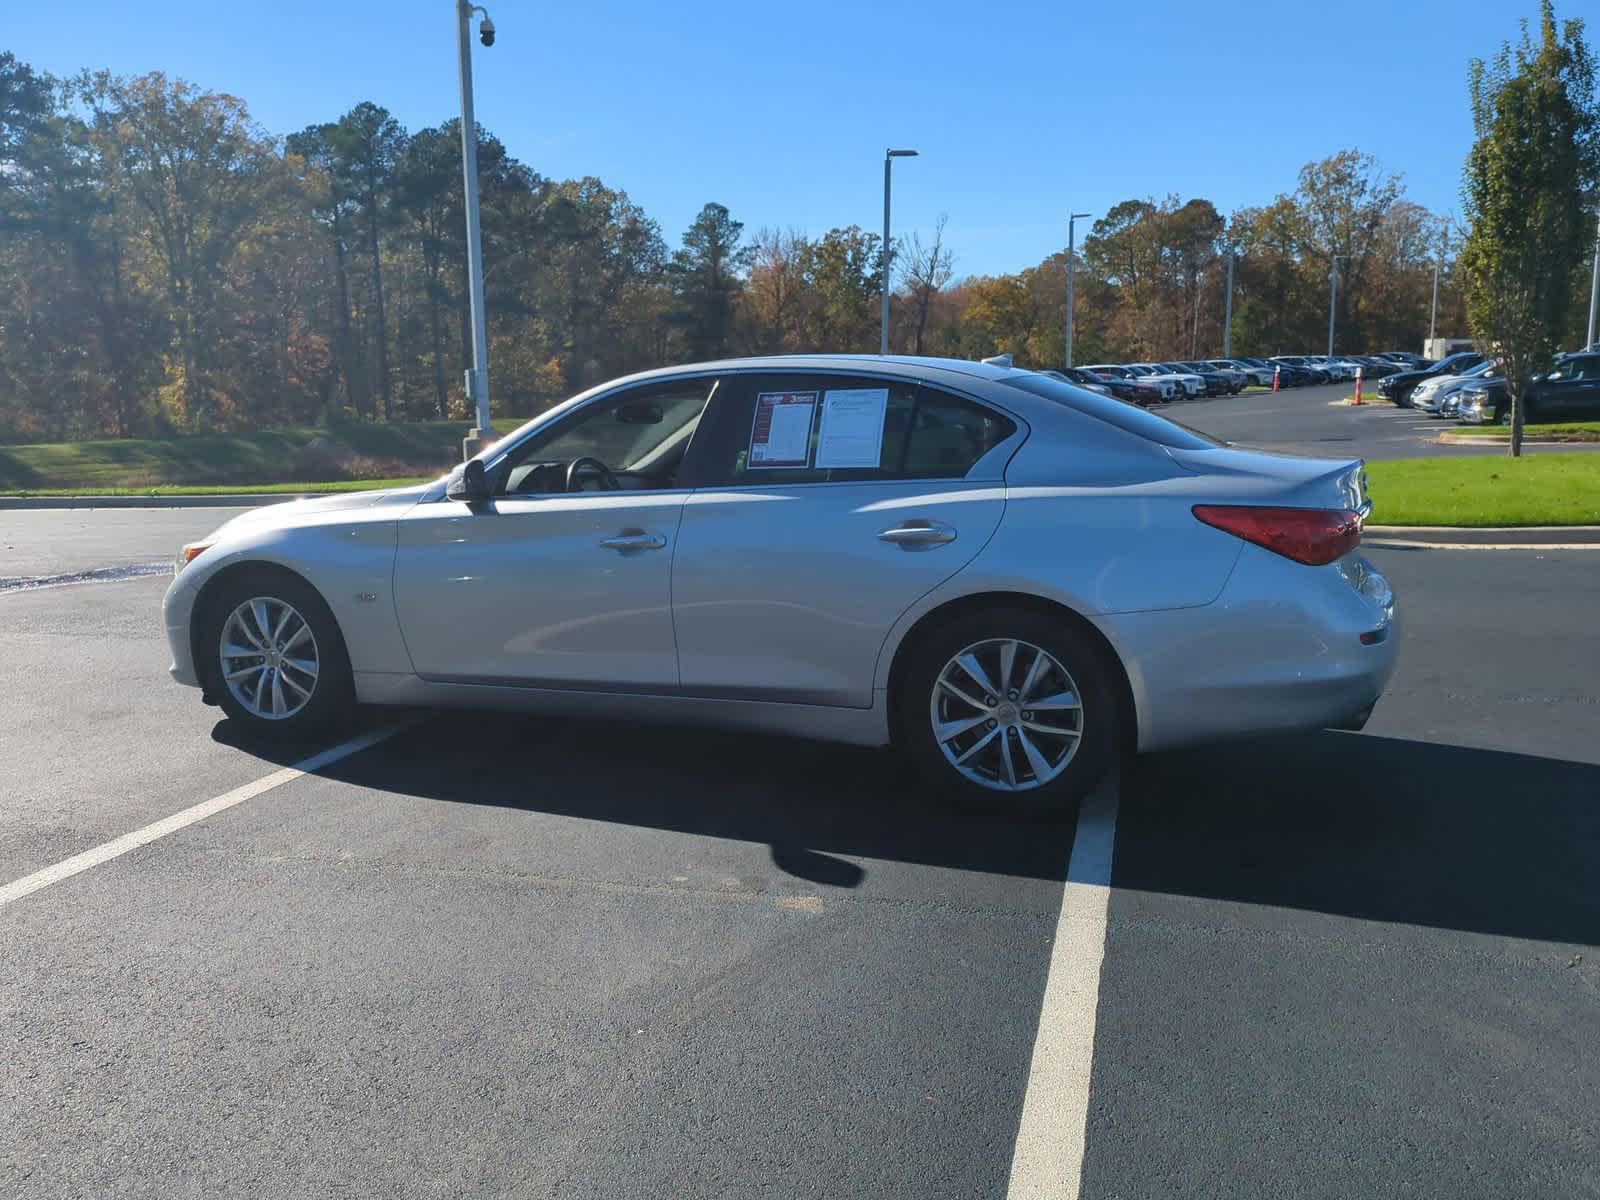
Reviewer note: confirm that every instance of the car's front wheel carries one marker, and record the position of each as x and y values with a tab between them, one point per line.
270	653
1010	707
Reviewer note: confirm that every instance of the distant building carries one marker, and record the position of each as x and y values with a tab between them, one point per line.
1437	348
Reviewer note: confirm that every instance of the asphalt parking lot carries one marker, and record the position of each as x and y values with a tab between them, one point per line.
1309	421
494	956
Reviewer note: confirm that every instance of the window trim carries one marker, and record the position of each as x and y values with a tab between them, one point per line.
990	467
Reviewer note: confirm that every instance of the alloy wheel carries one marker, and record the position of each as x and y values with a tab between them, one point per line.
1006	714
270	658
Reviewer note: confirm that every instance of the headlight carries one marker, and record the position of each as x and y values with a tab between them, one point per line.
188	554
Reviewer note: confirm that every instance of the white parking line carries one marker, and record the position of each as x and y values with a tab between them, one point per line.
78	863
1048	1159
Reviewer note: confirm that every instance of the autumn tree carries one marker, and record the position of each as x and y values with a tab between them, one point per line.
198	171
927	272
1534	163
776	289
846	275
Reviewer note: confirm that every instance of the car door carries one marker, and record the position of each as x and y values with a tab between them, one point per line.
543	586
1571	391
795	560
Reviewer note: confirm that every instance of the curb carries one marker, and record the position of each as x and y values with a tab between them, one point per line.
234	500
1448	438
1496	537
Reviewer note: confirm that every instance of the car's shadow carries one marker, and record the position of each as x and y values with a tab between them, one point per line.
1371	827
810	802
1347	824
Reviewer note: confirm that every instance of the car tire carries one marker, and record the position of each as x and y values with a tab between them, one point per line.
287	681
1048	768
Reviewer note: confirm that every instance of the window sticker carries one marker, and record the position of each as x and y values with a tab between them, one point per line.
852	427
780	435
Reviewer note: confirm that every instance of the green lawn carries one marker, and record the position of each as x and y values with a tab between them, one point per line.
1539	489
1572	431
356	454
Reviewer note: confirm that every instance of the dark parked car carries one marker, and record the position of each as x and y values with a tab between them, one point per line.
1397	388
1216	385
1570	392
1309	371
1406	360
1133	391
1373	367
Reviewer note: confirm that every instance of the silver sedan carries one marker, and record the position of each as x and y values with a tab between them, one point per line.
1007	577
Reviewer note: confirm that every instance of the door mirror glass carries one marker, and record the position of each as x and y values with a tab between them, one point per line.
472	485
640	412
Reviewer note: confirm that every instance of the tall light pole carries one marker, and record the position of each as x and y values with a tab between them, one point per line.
1594	287
888	158
1072	264
1227	308
1433	313
1333	294
478	374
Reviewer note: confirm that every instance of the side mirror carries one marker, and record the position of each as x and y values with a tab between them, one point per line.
472	485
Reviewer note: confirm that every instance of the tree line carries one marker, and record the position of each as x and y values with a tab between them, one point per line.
167	265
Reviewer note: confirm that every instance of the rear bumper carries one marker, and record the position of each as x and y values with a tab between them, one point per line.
1280	649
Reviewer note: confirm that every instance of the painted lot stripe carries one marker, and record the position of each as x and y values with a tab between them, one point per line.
78	863
1048	1159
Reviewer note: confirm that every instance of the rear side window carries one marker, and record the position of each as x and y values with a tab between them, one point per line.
1127	417
782	429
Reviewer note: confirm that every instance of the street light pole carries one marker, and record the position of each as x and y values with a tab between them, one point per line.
1433	314
478	374
1072	270
1227	310
1594	287
1333	294
888	157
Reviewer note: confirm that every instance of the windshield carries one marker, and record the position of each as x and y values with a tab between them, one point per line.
1125	416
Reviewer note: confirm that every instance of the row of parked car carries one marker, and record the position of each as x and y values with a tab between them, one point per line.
1158	382
1472	389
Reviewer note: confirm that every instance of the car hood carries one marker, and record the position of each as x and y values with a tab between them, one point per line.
278	516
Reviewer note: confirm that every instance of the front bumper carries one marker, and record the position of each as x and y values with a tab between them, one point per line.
177	608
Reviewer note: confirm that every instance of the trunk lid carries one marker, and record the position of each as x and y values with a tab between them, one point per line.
1291	480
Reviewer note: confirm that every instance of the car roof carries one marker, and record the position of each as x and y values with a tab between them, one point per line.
907	365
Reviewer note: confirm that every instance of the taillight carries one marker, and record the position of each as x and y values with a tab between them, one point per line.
1309	535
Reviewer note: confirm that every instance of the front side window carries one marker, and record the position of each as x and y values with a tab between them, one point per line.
785	429
633	440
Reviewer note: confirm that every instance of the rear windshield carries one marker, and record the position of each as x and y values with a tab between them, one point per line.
1128	417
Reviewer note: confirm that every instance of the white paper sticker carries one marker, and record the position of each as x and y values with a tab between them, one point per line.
780	435
852	427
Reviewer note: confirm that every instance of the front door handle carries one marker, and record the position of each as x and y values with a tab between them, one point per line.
633	539
918	535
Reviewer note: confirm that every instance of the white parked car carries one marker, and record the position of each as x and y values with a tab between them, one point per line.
1170	388
1192	385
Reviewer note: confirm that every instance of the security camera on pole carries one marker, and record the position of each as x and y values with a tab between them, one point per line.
478	375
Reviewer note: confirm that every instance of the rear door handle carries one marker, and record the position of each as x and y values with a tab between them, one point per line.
633	539
918	535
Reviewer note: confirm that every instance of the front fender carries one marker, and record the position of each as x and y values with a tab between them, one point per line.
348	557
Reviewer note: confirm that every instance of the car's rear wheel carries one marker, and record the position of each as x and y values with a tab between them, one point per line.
1011	708
271	655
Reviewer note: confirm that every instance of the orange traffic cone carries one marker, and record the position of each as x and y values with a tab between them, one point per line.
1274	377
1358	385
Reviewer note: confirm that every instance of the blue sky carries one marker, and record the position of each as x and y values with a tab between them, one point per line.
1022	111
